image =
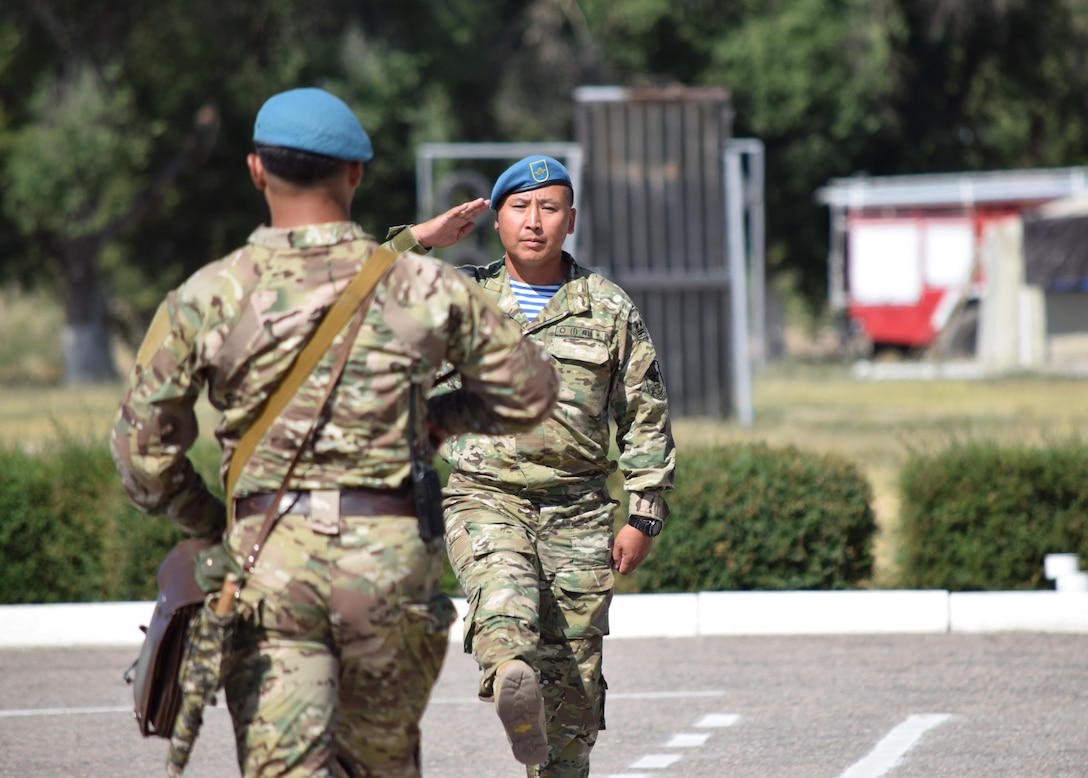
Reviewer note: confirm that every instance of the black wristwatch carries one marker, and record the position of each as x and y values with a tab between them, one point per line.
651	527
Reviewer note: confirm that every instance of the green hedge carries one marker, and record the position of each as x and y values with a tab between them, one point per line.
754	517
981	517
68	532
746	517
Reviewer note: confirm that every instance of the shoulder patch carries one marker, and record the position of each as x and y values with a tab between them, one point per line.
638	329
655	385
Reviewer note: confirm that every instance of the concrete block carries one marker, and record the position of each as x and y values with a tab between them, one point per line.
1057	565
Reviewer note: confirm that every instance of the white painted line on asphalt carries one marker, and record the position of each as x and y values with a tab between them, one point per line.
682	740
656	761
26	713
687	740
715	720
664	695
613	696
887	753
31	712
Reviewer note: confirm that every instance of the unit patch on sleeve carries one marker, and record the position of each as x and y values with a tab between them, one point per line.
638	330
654	383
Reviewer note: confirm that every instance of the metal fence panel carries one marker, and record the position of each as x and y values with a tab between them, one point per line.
652	219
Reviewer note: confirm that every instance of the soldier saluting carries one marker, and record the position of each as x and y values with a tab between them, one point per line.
528	516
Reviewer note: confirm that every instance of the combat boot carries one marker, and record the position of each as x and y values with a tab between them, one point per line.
520	706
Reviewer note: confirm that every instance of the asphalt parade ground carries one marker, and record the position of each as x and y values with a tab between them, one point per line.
857	706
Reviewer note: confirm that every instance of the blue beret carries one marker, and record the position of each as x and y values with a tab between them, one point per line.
529	173
315	121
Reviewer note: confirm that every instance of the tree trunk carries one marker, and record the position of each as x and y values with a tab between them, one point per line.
88	356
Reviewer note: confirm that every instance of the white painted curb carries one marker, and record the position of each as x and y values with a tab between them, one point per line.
1031	611
77	624
823	613
853	612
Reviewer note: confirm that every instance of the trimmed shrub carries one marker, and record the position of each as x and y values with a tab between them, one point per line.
68	532
750	517
980	517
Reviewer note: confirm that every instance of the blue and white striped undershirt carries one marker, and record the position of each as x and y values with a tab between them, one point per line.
533	298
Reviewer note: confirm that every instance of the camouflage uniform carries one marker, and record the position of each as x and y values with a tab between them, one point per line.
342	628
529	518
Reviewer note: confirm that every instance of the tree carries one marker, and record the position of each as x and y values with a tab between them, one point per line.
113	123
838	87
123	125
983	85
81	168
75	182
125	169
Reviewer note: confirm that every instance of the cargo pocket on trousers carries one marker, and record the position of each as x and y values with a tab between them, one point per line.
582	598
426	638
470	622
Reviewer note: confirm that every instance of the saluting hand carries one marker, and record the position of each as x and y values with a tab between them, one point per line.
449	227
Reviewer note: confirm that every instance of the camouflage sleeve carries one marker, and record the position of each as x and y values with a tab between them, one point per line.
156	426
400	239
643	431
507	383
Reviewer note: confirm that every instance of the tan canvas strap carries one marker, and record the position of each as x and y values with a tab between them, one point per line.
337	316
272	514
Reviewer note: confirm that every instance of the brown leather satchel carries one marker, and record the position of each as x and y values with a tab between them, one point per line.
154	675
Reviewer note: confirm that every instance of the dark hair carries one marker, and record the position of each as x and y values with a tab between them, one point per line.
302	168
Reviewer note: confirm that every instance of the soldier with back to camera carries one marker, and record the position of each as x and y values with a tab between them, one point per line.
342	627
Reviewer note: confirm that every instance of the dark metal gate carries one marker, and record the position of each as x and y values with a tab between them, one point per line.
652	218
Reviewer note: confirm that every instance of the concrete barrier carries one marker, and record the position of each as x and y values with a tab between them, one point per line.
873	611
660	615
1040	611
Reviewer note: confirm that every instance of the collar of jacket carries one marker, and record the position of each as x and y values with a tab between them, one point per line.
573	294
308	235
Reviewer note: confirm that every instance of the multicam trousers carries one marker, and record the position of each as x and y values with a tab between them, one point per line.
340	639
538	577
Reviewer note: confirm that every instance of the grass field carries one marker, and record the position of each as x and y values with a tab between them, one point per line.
876	424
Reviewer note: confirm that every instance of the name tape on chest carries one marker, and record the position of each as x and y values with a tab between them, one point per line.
573	331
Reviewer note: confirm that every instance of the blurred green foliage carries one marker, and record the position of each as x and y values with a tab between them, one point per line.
123	125
69	533
753	517
978	516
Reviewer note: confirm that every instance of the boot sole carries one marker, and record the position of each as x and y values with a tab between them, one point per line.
521	710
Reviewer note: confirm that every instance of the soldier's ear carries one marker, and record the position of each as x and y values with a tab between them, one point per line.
355	173
256	172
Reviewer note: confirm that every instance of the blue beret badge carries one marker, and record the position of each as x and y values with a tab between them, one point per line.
539	170
529	173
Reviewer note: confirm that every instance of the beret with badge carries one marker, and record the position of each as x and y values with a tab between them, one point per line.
315	121
527	174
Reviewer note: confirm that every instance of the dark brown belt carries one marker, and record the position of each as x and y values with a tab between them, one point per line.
353	502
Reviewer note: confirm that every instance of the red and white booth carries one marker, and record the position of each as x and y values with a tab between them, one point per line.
908	253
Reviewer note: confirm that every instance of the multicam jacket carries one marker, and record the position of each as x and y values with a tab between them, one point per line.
609	370
235	327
